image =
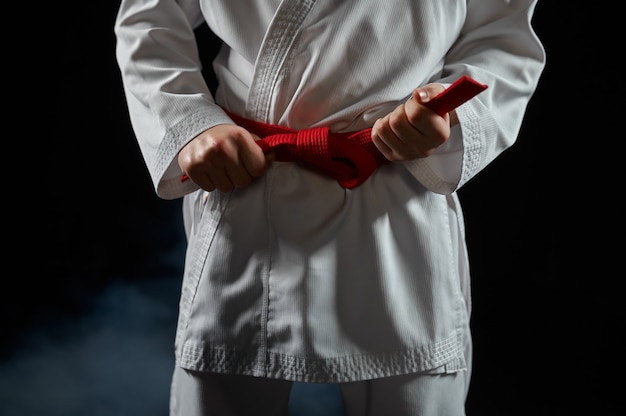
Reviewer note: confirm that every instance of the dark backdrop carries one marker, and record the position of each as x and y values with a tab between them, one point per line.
546	306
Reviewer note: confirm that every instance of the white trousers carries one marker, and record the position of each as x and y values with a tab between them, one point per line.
420	394
208	394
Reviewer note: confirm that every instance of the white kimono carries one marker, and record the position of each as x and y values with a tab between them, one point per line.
296	277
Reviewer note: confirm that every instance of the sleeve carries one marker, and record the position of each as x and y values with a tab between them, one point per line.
169	102
497	47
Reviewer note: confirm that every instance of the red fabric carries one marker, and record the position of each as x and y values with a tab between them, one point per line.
350	158
456	94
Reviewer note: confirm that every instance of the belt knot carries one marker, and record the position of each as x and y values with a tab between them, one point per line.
350	158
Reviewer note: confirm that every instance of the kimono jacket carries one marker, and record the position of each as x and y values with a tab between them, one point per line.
295	276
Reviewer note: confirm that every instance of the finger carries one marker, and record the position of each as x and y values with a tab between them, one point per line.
228	168
427	122
376	137
214	174
420	97
238	178
253	159
222	181
269	159
385	139
268	154
424	94
402	129
200	177
205	182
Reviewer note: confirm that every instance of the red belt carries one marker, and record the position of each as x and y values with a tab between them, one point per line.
350	158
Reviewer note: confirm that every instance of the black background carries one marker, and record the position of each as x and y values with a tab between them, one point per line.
542	220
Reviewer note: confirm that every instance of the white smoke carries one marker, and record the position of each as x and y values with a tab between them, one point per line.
115	360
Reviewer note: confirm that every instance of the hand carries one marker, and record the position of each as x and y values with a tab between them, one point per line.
223	157
412	130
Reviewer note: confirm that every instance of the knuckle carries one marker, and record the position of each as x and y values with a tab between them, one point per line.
395	121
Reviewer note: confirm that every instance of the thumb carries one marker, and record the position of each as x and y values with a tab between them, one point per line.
427	92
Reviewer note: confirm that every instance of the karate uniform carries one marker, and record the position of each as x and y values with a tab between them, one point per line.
296	277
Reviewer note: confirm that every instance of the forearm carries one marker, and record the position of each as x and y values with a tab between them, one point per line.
168	100
499	48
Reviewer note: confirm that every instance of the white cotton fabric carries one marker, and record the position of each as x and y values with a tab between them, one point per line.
295	277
